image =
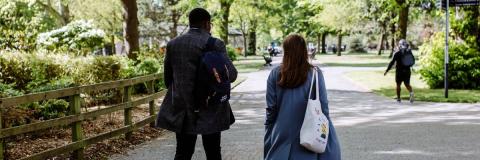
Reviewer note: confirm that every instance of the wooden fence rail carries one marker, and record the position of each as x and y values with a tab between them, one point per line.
75	118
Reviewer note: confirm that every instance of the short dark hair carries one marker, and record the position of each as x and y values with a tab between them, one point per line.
197	16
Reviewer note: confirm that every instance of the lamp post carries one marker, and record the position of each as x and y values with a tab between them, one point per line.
447	22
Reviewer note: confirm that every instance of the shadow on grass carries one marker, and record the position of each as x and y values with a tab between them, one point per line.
434	95
356	64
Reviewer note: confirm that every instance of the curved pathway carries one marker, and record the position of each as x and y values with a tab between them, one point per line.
370	127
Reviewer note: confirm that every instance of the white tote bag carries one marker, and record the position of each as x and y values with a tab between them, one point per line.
315	127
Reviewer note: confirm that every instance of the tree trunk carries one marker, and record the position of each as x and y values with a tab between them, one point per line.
387	45
245	46
392	43
319	42
225	8
339	44
130	28
112	40
403	18
51	11
252	42
380	46
175	19
324	49
64	12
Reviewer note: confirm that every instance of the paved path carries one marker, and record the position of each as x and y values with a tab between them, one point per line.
370	127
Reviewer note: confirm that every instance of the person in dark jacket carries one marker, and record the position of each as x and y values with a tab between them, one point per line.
177	112
402	73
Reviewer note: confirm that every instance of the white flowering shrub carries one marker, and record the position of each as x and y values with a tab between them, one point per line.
80	36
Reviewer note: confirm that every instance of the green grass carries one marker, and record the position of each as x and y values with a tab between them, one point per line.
357	64
249	67
435	95
354	60
385	85
249	64
256	57
370	59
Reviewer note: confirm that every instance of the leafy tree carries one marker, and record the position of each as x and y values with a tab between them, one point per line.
20	23
109	19
60	13
342	16
379	12
246	16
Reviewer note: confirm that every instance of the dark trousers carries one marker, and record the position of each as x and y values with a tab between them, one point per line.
186	146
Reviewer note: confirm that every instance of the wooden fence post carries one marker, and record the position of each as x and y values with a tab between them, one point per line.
151	104
127	97
77	130
2	141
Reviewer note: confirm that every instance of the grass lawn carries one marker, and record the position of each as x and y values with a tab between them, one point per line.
385	85
249	64
370	59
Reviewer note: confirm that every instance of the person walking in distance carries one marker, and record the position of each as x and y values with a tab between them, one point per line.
404	60
197	73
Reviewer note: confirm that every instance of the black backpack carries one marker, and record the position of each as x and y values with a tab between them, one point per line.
407	58
212	85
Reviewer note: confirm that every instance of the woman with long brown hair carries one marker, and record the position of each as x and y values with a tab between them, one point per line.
288	88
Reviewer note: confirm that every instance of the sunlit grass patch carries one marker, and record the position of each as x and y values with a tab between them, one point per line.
385	86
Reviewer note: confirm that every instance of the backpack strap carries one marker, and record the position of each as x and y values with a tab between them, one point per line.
210	44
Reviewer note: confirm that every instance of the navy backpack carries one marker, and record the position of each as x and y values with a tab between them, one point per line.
212	80
407	58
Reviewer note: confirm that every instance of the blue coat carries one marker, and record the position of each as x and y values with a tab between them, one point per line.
285	113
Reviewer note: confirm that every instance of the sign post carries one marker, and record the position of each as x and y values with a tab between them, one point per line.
446	4
447	22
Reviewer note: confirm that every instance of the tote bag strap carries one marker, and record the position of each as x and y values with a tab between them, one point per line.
314	78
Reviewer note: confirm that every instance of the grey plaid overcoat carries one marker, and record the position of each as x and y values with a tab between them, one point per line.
177	110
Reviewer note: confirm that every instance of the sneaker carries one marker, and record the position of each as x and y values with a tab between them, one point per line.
399	100
412	98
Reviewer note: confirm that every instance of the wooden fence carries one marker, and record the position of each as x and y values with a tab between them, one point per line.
75	118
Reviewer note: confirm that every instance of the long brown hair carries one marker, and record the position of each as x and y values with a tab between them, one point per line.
295	65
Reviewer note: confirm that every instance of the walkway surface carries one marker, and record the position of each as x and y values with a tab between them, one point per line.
370	127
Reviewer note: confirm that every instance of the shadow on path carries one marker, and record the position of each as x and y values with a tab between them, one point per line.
369	127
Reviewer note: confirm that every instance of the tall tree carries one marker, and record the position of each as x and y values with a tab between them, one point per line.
130	28
246	15
379	12
225	13
403	18
342	16
61	12
108	18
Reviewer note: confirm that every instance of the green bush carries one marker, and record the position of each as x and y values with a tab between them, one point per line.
52	85
30	71
464	67
356	46
148	66
232	53
49	109
15	69
8	91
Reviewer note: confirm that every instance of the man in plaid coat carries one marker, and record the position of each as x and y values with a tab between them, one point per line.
177	110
